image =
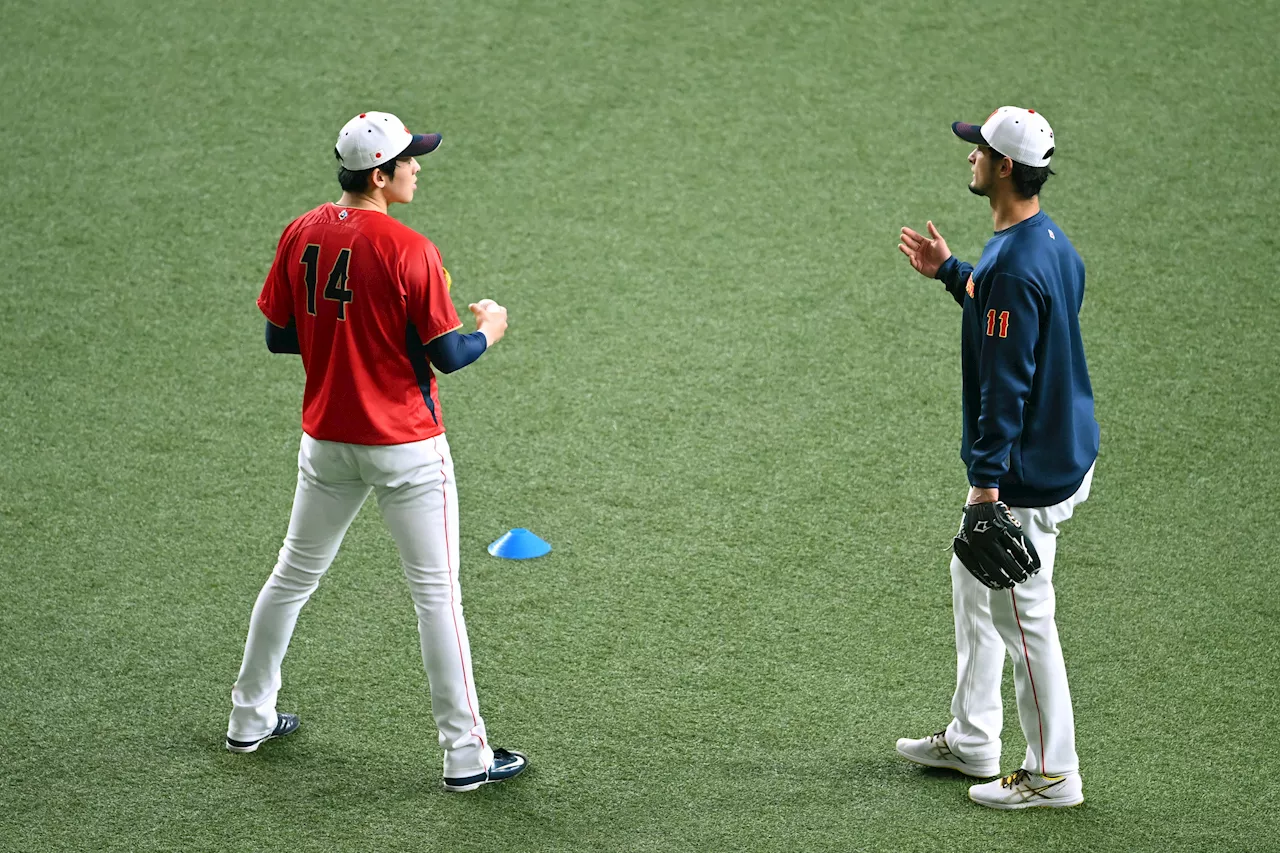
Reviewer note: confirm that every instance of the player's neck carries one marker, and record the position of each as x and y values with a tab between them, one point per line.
1009	208
363	201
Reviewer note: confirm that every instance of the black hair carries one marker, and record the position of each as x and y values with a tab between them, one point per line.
1027	180
358	182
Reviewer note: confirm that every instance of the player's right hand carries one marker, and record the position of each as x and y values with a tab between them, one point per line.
926	254
491	319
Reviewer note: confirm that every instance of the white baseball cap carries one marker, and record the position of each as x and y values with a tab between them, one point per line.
1024	136
371	139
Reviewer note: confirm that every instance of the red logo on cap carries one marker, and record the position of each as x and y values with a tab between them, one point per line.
378	155
362	115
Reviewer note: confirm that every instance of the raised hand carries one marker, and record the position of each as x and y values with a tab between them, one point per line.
491	319
926	254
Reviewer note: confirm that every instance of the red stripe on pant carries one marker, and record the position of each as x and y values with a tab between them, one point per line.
1027	657
453	610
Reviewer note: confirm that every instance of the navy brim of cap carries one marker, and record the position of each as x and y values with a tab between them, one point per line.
968	132
423	143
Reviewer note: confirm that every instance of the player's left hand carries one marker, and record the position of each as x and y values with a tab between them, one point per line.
993	546
982	496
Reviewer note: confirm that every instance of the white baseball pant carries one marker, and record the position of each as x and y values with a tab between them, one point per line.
1021	621
418	499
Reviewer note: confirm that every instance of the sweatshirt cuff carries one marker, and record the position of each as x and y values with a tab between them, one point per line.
984	479
947	270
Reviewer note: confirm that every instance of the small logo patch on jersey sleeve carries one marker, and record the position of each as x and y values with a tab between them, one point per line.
448	279
968	287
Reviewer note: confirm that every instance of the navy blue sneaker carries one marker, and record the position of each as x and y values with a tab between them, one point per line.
285	723
506	764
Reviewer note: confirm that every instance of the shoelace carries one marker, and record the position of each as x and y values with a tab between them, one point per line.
1015	778
942	736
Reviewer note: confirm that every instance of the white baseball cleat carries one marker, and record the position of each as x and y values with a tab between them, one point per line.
932	751
1024	790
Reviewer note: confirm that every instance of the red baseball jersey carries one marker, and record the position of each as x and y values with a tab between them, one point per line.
367	294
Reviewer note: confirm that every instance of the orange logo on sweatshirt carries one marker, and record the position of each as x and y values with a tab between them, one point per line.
968	287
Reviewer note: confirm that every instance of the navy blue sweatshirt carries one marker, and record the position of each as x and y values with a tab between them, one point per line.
1028	405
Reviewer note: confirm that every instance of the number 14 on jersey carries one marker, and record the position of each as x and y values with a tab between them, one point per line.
336	287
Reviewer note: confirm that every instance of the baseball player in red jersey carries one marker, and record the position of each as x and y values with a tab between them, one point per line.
365	301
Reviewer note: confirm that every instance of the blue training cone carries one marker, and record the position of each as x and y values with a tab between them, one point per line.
519	544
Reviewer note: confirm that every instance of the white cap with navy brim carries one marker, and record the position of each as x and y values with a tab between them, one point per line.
373	138
1024	136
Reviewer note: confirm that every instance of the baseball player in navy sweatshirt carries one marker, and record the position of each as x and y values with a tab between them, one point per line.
1029	440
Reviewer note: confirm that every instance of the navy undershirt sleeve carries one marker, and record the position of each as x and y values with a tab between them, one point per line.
453	351
283	340
954	274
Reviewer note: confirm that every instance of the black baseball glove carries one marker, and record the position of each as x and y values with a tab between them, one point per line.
993	546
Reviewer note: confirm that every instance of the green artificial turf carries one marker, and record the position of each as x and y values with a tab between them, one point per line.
725	399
